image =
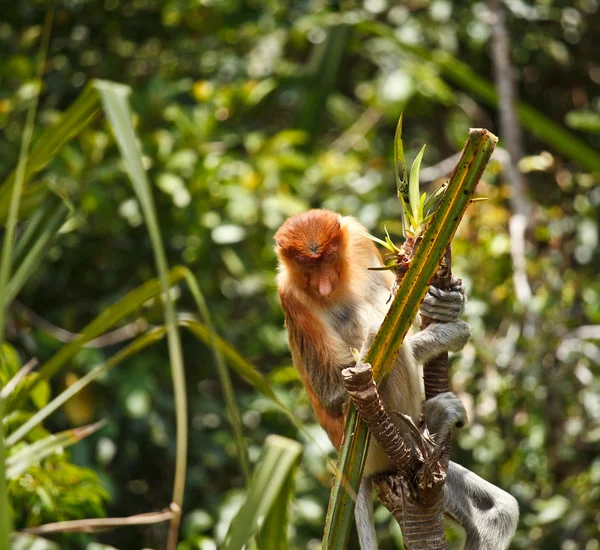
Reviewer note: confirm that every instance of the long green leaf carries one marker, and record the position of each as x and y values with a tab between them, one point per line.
244	368
116	107
461	74
37	251
279	460
411	291
235	418
19	462
273	535
13	198
134	347
5	513
108	318
73	121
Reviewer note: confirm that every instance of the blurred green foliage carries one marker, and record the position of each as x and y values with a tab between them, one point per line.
248	112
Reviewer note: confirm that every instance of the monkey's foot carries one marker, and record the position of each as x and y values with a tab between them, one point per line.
442	413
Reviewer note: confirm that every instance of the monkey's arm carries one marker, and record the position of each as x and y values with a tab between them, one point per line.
448	333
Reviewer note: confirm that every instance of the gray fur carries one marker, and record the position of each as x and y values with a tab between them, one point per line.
488	515
443	305
363	515
438	338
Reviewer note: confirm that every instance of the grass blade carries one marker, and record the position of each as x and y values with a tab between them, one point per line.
36	252
273	535
235	418
412	288
15	191
279	460
116	107
74	120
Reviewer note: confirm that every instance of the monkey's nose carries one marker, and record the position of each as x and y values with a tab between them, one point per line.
325	287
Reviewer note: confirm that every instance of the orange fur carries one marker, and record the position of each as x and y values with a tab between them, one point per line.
304	328
311	245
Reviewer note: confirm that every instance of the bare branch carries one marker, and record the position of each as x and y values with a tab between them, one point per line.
99	524
116	336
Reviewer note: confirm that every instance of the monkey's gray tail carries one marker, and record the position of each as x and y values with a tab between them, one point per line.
363	514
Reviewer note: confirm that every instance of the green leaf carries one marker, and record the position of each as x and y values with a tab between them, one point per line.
37	249
116	107
399	161
40	394
275	468
245	369
413	188
388	244
273	535
10	363
19	462
432	201
422	207
412	289
77	117
234	415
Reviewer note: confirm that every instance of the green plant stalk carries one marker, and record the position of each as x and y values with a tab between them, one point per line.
411	291
535	122
116	107
235	418
7	257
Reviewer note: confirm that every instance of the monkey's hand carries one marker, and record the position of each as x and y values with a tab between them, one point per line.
447	332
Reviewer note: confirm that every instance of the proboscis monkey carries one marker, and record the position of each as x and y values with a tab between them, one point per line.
332	303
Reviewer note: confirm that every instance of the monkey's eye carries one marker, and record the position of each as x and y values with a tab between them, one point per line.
328	260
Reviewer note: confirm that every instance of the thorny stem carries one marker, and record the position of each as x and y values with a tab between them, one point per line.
422	524
415	494
362	389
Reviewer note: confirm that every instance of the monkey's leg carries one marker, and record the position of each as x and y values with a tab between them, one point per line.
487	514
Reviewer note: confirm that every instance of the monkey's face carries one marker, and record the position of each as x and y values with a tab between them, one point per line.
322	278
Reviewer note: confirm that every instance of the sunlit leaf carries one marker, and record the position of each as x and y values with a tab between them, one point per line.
278	462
